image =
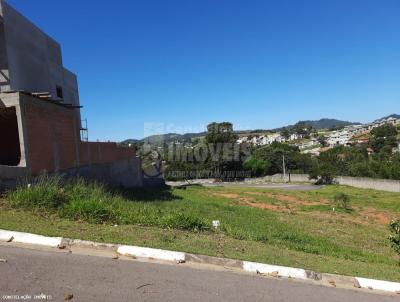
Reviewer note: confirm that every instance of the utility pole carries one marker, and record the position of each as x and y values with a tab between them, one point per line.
284	166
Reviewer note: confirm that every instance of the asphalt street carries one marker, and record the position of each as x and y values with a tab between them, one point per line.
283	186
60	276
290	187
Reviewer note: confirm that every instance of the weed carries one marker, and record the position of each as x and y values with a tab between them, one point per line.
44	194
184	222
342	201
395	237
92	210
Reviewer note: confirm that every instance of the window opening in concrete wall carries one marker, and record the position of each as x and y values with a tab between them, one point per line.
59	92
10	152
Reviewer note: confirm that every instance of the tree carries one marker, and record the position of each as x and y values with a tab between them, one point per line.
257	167
273	154
384	131
384	138
285	134
221	140
322	140
323	173
220	133
302	129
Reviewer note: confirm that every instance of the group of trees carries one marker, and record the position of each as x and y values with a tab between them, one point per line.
301	129
222	159
269	160
356	161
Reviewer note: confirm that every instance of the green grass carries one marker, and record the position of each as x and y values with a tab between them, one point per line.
301	231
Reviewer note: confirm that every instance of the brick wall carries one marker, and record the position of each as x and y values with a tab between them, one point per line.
53	138
95	152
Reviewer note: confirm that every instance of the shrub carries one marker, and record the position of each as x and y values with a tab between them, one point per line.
324	174
394	238
342	201
45	193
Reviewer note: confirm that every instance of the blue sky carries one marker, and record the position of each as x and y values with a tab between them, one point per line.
178	65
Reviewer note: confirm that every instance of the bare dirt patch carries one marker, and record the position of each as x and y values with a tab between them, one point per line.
379	217
288	198
227	195
335	216
247	199
234	197
364	217
265	206
288	203
255	193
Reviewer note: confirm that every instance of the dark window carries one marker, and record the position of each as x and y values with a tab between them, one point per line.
10	154
59	92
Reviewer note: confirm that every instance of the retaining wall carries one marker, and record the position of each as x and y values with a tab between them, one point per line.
281	178
357	182
370	183
10	175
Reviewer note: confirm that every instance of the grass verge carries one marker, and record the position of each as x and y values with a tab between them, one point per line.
287	228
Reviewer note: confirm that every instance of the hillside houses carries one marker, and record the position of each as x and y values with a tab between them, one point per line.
263	140
339	137
360	129
343	137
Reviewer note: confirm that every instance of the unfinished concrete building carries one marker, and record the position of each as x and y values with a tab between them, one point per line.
40	113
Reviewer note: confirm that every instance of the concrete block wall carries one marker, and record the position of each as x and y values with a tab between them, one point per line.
9	176
122	173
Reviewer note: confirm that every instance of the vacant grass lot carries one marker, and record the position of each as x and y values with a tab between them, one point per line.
298	229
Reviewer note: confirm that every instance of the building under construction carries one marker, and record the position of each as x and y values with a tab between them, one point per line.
40	123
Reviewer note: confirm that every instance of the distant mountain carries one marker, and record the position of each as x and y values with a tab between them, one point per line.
327	123
165	138
130	141
324	123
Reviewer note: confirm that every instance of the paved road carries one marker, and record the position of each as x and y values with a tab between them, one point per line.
283	186
91	278
293	187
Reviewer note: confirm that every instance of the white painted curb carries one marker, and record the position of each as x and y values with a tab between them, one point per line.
379	285
29	238
143	252
281	271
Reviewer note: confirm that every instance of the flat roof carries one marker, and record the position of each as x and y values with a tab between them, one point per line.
43	99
